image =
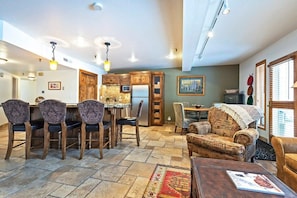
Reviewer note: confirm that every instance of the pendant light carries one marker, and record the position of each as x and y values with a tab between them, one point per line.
53	62
107	62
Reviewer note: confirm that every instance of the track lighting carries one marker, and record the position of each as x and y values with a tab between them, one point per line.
226	8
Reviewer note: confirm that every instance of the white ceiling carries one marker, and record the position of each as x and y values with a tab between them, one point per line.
148	28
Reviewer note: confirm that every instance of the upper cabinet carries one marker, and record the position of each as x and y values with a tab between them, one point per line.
116	79
110	79
140	78
124	79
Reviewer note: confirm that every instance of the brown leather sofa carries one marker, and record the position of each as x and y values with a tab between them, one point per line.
222	138
286	160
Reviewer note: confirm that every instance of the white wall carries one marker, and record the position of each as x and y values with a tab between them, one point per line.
27	90
5	92
280	48
69	85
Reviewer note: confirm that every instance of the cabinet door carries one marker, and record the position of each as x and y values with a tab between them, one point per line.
157	112
110	79
140	79
157	86
124	79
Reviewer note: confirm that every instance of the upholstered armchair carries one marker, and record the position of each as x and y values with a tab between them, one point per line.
226	135
286	160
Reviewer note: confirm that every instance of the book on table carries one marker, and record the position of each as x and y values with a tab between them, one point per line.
253	182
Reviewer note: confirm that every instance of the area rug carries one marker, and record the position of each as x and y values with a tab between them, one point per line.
264	151
169	182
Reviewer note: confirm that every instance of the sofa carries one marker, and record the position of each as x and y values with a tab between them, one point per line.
286	160
230	133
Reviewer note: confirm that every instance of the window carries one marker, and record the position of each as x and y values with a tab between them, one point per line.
260	96
281	102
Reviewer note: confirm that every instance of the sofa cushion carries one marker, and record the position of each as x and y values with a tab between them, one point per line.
291	161
216	143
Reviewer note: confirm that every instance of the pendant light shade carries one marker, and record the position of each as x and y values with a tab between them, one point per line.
107	62
53	62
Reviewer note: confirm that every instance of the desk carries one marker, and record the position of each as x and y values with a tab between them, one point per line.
209	179
73	114
197	110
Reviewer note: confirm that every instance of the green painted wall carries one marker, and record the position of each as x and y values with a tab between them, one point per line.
217	79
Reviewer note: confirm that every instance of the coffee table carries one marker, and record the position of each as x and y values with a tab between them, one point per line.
209	179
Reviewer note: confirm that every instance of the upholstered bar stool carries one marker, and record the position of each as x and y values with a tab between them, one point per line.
92	113
18	115
54	115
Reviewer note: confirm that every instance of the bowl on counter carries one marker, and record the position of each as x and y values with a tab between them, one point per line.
197	106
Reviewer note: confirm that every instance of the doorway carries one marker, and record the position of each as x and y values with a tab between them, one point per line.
88	83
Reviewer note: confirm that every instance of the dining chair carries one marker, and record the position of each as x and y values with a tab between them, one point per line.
132	121
18	116
92	113
181	121
54	115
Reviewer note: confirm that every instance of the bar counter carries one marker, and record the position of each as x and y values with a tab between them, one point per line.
112	112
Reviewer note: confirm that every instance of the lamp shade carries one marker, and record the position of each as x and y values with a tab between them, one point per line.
107	65
53	65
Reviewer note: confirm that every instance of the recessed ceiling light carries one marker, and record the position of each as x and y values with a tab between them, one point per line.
81	42
133	58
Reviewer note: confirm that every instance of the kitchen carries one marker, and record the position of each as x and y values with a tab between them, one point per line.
134	87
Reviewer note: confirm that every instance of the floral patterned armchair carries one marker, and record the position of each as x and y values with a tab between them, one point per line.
226	134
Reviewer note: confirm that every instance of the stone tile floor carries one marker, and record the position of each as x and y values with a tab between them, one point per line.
123	172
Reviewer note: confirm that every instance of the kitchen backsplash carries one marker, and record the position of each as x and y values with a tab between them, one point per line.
112	93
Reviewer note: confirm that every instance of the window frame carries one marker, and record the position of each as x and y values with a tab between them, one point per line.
262	91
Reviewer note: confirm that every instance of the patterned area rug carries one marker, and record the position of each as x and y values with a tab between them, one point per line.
169	182
264	151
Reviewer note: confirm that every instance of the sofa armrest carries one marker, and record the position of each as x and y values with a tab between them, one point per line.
246	136
203	127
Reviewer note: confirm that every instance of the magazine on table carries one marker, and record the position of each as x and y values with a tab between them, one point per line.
253	182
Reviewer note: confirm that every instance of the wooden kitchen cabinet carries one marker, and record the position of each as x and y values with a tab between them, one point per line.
157	113
140	78
111	79
124	79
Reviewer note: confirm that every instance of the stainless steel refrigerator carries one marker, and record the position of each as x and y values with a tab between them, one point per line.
141	92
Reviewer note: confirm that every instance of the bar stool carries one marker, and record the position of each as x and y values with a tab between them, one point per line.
54	115
92	113
132	121
18	115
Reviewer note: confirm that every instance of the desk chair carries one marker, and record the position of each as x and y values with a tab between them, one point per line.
181	120
18	115
54	115
132	121
92	113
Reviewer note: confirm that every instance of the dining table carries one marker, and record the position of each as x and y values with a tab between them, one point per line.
111	108
197	110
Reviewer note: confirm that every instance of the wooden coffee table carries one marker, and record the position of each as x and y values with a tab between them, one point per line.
209	179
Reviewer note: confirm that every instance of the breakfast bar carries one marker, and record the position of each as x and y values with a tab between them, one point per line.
112	111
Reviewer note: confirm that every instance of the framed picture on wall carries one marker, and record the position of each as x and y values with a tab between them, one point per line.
190	85
54	85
